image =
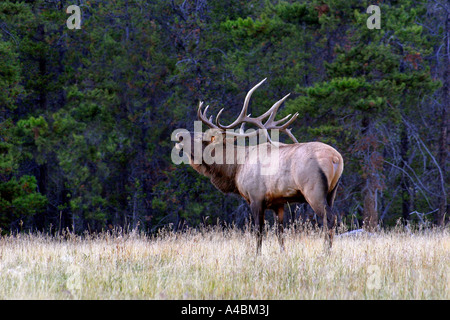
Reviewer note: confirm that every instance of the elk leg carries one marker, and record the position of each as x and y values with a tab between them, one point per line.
258	214
326	213
330	200
330	223
279	226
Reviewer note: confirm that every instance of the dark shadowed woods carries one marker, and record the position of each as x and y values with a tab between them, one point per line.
86	115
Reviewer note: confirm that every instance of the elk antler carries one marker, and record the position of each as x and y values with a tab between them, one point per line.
203	118
258	121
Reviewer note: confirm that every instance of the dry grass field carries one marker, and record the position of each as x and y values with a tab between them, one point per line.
215	264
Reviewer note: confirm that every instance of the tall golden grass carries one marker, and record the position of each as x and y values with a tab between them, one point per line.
222	264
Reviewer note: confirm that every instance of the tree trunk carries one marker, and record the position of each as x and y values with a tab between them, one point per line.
370	210
406	184
439	218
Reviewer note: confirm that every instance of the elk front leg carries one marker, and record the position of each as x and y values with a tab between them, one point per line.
279	226
258	215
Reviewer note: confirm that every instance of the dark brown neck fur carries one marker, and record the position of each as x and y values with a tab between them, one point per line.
223	176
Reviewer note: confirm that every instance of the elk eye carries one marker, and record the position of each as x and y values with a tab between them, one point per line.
213	138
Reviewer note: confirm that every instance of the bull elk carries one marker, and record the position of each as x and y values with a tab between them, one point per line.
296	173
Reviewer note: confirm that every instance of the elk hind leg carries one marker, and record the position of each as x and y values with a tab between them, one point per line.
330	200
330	222
324	211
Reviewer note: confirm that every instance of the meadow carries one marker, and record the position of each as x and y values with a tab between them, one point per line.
213	263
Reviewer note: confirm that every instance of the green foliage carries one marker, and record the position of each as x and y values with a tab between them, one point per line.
19	201
296	13
9	76
86	115
376	77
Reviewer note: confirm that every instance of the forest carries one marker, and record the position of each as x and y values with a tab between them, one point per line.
87	114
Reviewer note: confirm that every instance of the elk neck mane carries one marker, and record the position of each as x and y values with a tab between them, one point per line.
223	176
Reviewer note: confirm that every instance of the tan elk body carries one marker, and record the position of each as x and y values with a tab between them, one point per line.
271	174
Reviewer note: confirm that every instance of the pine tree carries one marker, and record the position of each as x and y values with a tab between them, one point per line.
376	77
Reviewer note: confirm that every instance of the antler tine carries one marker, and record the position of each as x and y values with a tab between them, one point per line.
217	119
274	124
273	110
289	133
241	129
278	121
199	110
202	116
242	116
